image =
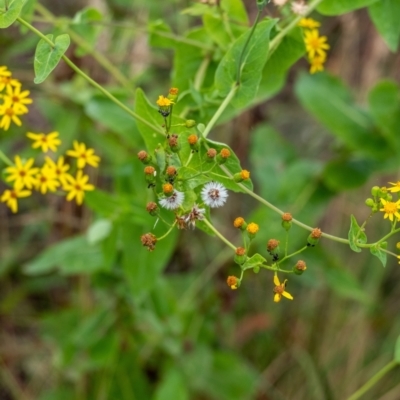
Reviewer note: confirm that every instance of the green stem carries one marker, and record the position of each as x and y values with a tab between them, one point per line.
103	61
286	242
5	159
274	43
293	254
386	237
220	110
91	81
167	233
226	241
379	375
239	64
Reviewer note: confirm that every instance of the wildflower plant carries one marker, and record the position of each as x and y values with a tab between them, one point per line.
186	176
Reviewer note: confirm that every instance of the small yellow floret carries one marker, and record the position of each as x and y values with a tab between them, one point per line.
164	102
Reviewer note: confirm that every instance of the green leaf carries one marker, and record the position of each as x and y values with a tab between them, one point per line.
385	16
331	103
83	25
7	17
397	351
384	104
71	256
47	57
172	386
98	231
253	62
254	261
356	235
377	252
346	173
338	7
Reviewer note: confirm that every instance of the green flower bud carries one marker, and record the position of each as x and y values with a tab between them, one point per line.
375	191
190	123
369	202
256	269
314	237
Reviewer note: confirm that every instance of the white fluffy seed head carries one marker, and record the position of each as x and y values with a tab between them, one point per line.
174	201
214	194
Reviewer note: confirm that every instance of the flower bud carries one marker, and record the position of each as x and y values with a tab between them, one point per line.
256	269
240	223
190	123
287	221
241	176
149	240
210	155
150	174
173	94
252	229
233	282
273	248
223	155
152	208
171	171
375	191
314	237
300	267
369	202
193	141
144	157
240	256
168	189
174	144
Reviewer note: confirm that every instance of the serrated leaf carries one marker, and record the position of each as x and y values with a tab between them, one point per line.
385	16
356	235
7	17
377	252
253	61
397	351
338	7
47	57
254	261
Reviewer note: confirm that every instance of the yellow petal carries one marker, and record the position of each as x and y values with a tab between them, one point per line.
276	280
287	295
277	297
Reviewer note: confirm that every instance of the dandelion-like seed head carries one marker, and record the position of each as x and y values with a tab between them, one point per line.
214	194
174	201
195	214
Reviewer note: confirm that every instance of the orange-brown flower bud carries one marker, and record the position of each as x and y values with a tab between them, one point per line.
193	139
171	170
152	208
173	142
232	282
149	240
272	245
287	221
314	237
223	155
210	155
149	170
239	222
144	157
168	189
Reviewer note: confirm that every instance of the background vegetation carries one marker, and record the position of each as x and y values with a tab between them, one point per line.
86	312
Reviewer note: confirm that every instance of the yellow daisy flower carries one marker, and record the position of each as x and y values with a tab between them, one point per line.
7	81
315	44
59	168
317	63
22	173
9	113
309	23
11	196
390	208
279	290
84	156
17	98
77	187
395	188
164	101
45	142
47	180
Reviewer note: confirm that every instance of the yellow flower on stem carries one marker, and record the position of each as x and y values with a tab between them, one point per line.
22	173
280	291
390	209
395	188
164	101
309	23
9	113
17	98
317	63
84	155
59	168
77	187
45	142
47	180
315	44
11	196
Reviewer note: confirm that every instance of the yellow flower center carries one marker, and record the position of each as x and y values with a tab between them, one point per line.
9	112
279	289
390	207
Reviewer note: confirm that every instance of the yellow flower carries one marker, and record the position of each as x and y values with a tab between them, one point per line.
395	188
47	180
309	23
317	64
59	168
77	187
279	290
10	197
7	81
9	114
84	155
252	228
4	71
163	101
315	44
390	208
17	98
45	142
22	174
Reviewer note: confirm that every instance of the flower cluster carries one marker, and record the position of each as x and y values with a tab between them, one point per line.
316	45
54	175
383	201
15	100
